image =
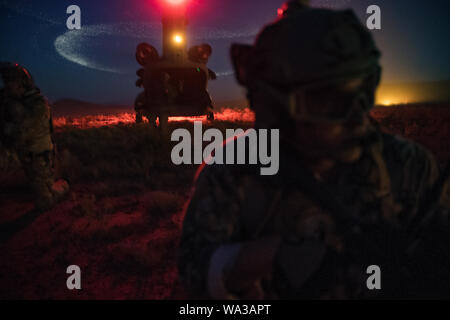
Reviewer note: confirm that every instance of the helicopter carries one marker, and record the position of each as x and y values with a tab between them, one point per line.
175	83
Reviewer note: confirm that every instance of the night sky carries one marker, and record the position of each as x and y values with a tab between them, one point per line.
97	63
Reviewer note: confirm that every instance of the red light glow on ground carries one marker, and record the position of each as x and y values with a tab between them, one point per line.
96	121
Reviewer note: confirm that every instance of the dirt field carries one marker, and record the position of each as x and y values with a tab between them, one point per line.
121	221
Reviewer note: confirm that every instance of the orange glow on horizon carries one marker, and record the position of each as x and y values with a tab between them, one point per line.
407	93
390	101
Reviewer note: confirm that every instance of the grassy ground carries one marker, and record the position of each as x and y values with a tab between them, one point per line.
428	125
120	223
122	219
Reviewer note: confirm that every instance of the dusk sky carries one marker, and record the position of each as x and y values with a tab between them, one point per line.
97	63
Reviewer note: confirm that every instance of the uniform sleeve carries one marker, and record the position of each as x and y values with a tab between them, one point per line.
15	113
434	203
38	106
210	237
36	125
434	237
414	175
430	185
430	225
417	184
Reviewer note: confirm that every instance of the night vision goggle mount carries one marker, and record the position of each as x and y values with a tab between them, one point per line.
333	101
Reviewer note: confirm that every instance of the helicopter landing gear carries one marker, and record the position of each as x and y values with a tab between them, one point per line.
163	123
139	117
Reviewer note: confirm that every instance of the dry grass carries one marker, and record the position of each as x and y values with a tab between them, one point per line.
122	219
428	125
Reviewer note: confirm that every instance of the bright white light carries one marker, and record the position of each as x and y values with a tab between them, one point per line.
178	39
175	2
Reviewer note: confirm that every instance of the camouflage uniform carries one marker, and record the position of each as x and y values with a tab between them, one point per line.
384	192
26	129
389	208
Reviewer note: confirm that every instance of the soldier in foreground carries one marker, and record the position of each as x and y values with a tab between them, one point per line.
26	129
347	196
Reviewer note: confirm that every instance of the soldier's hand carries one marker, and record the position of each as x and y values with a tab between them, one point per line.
253	263
253	291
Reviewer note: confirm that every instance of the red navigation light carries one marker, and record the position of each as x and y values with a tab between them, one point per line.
171	7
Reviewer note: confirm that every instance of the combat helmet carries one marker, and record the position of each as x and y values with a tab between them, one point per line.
288	7
14	72
297	60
